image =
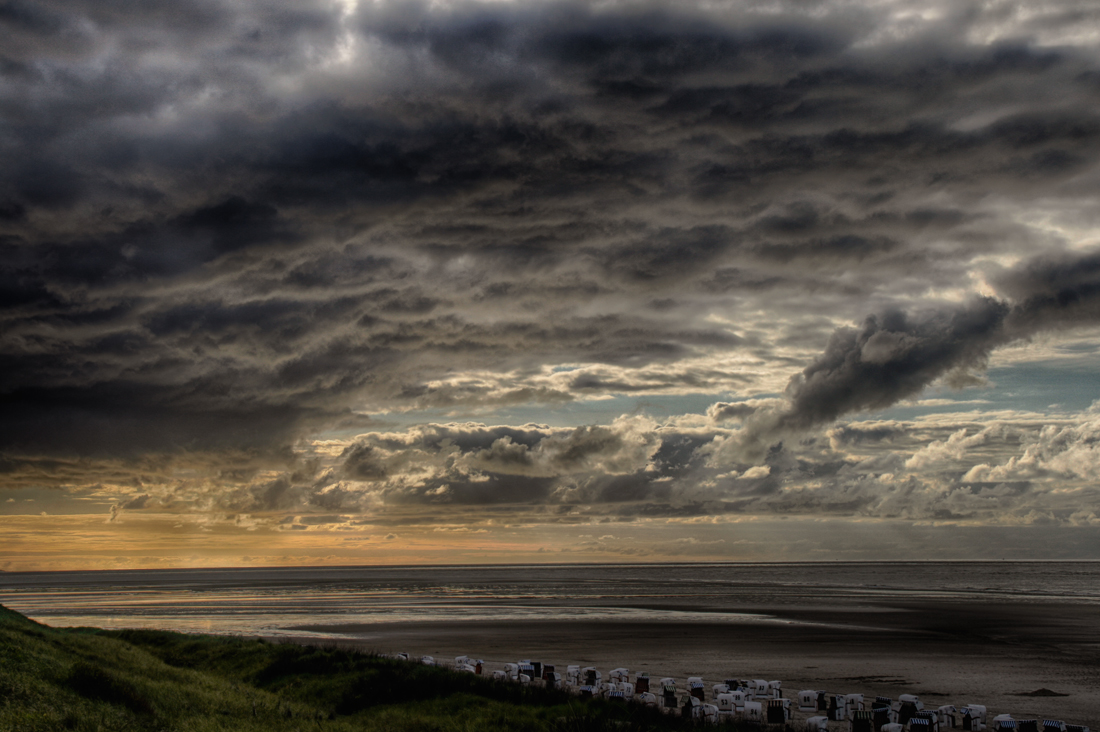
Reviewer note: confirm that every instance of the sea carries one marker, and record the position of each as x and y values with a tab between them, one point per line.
287	601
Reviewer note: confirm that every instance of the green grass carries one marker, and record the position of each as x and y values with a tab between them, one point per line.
87	679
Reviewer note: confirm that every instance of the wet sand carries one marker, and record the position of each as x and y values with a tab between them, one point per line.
947	652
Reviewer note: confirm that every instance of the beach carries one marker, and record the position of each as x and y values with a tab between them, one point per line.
955	653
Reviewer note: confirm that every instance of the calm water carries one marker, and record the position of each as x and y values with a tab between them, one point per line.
274	601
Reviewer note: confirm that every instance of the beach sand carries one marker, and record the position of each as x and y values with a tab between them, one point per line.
949	652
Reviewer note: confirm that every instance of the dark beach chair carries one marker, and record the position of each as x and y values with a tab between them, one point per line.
920	724
932	719
696	690
863	721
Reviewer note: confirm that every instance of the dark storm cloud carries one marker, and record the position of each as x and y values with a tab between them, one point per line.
891	357
231	224
896	355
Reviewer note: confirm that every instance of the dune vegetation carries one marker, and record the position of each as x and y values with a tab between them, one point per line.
92	679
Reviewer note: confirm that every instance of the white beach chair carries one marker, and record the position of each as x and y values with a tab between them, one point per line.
717	689
775	689
946	715
627	688
710	713
817	724
760	689
753	711
618	674
1003	722
973	717
573	675
647	699
853	703
427	660
838	708
807	700
892	727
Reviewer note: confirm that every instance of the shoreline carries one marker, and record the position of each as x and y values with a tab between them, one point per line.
944	652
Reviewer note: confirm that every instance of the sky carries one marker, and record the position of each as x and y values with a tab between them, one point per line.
386	282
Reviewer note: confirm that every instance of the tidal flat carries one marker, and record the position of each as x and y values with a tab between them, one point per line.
990	633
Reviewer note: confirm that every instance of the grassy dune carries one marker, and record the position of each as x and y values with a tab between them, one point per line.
90	679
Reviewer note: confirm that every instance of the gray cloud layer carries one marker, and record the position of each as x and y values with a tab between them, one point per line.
227	226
